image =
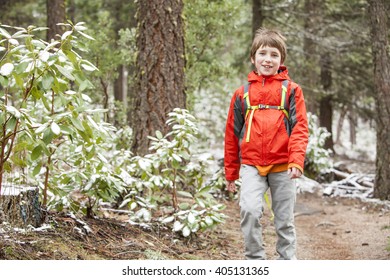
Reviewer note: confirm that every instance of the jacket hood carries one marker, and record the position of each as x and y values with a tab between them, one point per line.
281	75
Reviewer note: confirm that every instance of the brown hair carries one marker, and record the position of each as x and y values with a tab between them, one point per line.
269	38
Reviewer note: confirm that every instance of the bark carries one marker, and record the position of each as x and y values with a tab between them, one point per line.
380	45
311	23
326	110
340	124
20	206
55	14
257	15
352	118
160	69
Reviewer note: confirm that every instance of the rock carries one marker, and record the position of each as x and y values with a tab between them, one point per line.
328	191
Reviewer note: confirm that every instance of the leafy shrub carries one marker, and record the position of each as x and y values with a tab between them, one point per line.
167	185
317	158
44	105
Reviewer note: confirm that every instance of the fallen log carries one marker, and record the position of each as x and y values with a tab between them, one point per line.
20	206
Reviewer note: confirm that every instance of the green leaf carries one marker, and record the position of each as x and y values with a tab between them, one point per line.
6	69
191	218
41	128
66	35
77	123
46	103
86	84
185	194
85	35
64	71
209	221
66	130
4	81
177	226
5	33
186	231
13	111
18	79
36	153
47	82
11	123
55	128
88	67
144	164
48	136
177	158
37	169
159	134
21	67
168	220
184	206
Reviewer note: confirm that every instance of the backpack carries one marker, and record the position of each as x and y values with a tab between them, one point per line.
250	109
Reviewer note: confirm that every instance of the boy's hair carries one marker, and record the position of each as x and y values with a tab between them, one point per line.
269	38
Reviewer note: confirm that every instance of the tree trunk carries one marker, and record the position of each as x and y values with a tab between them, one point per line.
380	46
119	92
326	110
352	118
20	206
55	14
340	125
311	23
160	69
121	10
257	15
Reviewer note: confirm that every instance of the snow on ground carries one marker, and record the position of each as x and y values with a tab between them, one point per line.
365	147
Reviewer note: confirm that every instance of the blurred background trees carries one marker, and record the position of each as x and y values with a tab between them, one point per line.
156	55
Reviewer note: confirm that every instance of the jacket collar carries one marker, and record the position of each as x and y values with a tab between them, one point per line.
281	75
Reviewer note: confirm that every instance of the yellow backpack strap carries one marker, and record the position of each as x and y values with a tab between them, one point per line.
284	101
248	108
247	104
283	106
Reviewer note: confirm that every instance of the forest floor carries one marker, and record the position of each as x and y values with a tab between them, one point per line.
328	228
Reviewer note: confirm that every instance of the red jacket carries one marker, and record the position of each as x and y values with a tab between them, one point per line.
270	142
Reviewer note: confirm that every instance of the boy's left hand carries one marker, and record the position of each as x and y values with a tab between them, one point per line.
294	173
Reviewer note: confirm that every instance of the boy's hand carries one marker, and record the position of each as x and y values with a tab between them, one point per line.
231	186
294	173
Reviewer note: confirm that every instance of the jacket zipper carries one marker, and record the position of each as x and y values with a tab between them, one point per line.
262	136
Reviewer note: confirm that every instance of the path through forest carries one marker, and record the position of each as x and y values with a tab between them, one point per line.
327	229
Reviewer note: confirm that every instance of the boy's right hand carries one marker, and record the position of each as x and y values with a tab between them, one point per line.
231	186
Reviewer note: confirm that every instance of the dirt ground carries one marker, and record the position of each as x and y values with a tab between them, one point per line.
327	229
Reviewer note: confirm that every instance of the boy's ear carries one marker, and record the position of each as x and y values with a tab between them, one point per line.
252	60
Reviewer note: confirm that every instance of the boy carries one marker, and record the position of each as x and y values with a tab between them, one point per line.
268	142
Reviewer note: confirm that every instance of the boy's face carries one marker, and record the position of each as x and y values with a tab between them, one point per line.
267	60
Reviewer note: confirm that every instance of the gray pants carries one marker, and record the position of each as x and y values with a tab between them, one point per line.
283	193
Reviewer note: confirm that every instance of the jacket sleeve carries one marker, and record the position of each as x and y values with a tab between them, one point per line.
233	132
299	128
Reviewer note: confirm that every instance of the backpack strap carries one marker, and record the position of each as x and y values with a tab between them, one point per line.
284	102
283	106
